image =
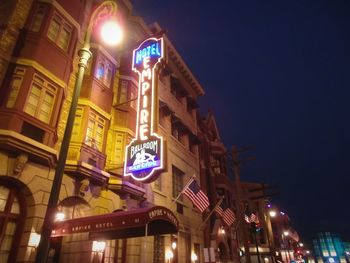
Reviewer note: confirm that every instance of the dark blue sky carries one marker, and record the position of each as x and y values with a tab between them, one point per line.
277	76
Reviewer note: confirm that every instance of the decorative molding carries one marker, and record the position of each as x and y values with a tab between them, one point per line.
20	163
41	69
86	102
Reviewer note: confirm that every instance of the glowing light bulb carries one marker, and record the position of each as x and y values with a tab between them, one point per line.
111	33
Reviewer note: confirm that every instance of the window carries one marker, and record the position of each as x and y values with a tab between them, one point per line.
158	183
59	32
216	165
176	89
193	148
119	147
161	117
104	71
11	218
158	249
40	100
177	182
95	131
76	133
133	98
15	85
123	91
175	131
38	18
32	132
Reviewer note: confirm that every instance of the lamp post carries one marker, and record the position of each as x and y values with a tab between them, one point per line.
101	13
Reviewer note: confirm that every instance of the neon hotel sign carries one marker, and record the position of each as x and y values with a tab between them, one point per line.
144	155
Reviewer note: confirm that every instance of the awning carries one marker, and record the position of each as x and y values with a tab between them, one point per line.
157	220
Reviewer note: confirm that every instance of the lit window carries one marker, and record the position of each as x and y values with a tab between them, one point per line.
123	92
76	133
175	132
216	165
133	98
119	147
59	32
95	131
161	117
11	219
104	71
177	177
15	87
158	184
38	18
40	99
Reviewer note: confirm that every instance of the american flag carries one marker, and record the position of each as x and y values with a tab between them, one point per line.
196	195
251	219
226	213
254	218
229	216
219	210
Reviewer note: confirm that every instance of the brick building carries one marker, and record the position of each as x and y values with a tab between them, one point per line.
38	51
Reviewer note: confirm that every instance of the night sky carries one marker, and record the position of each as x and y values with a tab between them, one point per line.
277	76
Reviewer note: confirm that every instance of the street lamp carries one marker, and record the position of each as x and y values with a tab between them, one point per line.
272	213
104	11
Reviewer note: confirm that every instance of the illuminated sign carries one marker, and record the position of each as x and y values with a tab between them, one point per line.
144	155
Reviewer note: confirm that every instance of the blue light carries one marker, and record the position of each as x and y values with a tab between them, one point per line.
143	166
152	50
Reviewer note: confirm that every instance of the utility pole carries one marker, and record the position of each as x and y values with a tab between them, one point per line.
240	207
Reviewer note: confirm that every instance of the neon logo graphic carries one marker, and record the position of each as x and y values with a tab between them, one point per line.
144	155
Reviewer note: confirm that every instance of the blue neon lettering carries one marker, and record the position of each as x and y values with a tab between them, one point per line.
149	51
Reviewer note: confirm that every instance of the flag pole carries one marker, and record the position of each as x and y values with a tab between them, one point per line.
188	183
211	212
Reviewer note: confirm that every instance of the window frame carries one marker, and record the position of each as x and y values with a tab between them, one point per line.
57	36
45	87
38	21
99	121
106	67
7	216
177	177
19	73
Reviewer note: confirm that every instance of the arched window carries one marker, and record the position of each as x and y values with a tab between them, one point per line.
12	217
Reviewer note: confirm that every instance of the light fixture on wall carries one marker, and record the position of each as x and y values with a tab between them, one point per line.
194	257
173	245
222	231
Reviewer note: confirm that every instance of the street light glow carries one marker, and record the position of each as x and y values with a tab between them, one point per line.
286	233
111	33
272	213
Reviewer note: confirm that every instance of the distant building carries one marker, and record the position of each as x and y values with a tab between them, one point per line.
329	248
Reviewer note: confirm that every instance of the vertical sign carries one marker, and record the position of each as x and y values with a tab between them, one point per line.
144	155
